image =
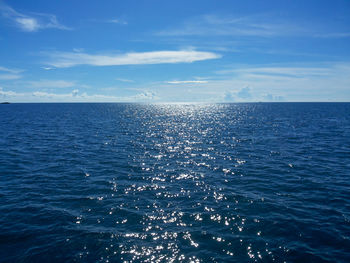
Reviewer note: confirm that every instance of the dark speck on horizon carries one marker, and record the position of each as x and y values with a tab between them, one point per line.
255	182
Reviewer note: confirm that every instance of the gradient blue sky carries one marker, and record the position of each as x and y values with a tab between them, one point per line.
174	51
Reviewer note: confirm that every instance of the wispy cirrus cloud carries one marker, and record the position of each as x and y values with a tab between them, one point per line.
187	81
125	80
213	25
71	59
14	71
278	71
119	21
49	84
10	74
333	35
30	23
258	25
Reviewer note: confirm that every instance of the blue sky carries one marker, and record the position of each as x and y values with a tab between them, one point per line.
174	51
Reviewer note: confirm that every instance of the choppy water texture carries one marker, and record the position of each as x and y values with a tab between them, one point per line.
175	183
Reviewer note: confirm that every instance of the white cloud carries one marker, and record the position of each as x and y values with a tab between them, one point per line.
272	82
333	35
244	93
272	98
312	82
47	68
258	25
27	23
278	71
75	92
145	96
210	25
73	96
14	71
10	93
304	82
70	59
59	97
9	76
187	82
118	21
229	96
30	23
124	80
51	84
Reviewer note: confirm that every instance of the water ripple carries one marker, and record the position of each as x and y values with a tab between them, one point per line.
175	183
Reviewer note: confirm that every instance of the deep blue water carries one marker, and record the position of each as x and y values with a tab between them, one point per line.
265	182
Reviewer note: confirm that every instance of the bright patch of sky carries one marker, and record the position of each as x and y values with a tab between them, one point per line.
174	51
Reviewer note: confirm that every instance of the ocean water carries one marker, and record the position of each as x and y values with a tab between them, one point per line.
264	182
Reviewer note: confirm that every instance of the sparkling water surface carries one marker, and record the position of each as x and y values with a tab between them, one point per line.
263	182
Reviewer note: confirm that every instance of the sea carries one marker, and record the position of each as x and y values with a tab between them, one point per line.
113	182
